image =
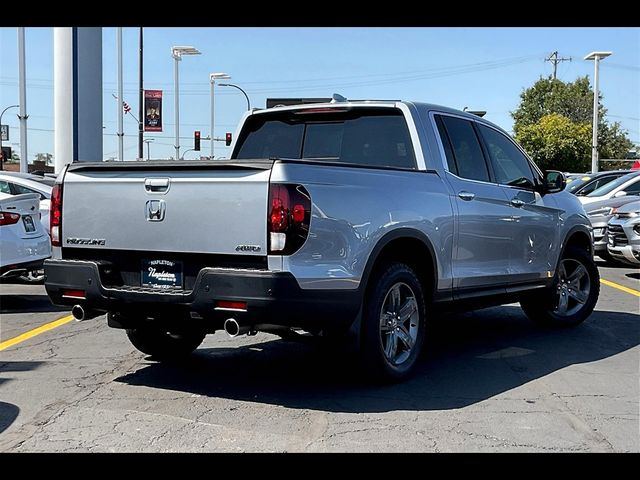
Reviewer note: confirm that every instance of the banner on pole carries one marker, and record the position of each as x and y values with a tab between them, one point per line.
153	110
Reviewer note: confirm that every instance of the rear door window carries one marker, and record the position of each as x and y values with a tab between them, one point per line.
467	153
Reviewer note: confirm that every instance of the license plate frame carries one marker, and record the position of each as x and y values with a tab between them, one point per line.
29	224
162	274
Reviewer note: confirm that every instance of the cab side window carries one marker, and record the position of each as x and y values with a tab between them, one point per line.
510	165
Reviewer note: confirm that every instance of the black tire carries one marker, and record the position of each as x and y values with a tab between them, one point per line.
376	361
164	345
545	307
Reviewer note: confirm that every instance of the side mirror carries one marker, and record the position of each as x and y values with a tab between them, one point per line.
554	181
619	194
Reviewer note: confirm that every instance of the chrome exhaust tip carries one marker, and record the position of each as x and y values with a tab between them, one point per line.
233	328
80	314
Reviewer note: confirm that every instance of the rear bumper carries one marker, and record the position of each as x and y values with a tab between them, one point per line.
15	270
273	298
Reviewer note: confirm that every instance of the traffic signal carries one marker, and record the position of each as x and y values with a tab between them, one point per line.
227	139
196	140
5	154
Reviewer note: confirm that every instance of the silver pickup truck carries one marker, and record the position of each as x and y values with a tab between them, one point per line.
365	219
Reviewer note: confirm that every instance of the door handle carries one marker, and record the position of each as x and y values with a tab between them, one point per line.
466	195
516	202
156	185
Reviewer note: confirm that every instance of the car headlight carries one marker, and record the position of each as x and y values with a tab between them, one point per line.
600	212
636	229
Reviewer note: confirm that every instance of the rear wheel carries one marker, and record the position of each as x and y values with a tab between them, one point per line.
393	323
573	295
164	345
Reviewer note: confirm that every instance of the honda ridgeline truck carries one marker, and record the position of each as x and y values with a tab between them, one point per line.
359	219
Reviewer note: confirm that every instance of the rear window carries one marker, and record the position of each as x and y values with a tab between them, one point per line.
362	136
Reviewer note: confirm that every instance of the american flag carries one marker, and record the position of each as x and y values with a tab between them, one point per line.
126	107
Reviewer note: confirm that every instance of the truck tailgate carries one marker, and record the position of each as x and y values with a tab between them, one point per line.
187	207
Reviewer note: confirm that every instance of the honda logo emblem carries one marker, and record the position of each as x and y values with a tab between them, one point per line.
154	210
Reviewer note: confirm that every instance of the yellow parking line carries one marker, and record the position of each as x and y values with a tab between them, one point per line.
620	287
36	331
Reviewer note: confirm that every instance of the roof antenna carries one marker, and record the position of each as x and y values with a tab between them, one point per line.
337	98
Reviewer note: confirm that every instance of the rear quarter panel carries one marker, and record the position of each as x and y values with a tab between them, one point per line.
352	209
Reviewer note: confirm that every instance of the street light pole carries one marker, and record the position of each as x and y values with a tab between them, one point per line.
177	53
176	106
596	56
1	114
22	81
243	92
212	79
120	88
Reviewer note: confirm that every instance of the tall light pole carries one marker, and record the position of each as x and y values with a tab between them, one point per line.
120	88
22	81
177	53
596	56
243	92
212	79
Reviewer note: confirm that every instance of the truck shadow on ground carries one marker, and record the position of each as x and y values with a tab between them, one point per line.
469	358
18	303
8	411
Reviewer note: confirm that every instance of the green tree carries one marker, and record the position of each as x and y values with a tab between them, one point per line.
550	99
557	143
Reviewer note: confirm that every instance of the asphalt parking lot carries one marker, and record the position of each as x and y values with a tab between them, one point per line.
490	381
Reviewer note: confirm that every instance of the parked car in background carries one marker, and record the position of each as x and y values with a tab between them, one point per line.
587	183
624	234
24	243
599	214
15	183
628	184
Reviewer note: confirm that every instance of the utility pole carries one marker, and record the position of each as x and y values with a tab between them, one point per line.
553	58
140	105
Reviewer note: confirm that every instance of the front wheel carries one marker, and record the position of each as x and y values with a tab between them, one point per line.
393	323
573	295
164	345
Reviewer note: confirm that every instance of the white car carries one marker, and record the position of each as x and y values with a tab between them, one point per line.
24	243
628	184
14	183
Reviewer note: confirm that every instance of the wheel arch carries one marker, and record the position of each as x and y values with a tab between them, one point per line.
408	246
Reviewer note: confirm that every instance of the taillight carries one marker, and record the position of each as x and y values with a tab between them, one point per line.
55	215
7	218
288	218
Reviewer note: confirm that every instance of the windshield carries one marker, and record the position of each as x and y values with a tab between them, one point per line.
577	182
611	186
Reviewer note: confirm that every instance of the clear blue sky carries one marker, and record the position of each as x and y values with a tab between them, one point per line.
482	68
